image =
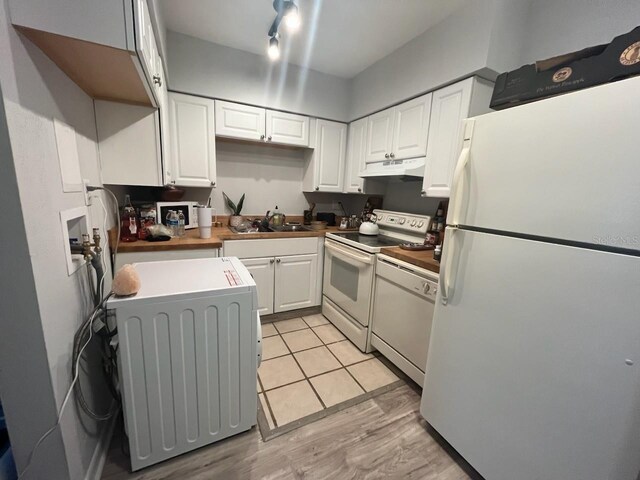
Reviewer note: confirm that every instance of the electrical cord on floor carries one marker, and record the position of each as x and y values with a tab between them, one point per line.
69	391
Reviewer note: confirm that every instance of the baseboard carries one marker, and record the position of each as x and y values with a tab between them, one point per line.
303	312
99	457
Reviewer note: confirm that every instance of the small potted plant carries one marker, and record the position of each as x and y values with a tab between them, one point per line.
236	209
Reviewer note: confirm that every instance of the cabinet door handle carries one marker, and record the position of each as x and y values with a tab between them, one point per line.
278	260
392	155
271	261
261	137
317	188
157	80
386	155
359	190
269	138
423	193
213	184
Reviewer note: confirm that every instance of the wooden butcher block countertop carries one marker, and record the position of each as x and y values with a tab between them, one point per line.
192	241
419	258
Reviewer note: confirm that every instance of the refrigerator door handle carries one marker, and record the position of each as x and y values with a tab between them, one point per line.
456	197
443	280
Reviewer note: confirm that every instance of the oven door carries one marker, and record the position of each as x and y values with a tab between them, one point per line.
348	279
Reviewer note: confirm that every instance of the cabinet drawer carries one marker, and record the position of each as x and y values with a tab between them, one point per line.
270	247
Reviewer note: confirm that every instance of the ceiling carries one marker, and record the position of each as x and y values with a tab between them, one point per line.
338	37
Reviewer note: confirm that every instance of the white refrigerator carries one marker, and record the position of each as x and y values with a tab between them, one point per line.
533	370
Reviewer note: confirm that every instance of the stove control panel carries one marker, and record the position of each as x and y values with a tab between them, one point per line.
403	222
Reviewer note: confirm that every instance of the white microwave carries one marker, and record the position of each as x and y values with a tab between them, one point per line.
188	209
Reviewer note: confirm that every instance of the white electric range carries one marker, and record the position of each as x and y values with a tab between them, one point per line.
349	270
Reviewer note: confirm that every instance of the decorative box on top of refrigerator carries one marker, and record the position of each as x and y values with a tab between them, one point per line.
572	71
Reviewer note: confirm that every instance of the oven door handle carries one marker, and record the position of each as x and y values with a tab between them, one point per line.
347	254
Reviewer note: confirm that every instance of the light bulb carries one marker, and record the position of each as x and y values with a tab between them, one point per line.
292	19
273	51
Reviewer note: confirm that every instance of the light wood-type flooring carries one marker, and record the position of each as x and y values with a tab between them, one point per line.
384	437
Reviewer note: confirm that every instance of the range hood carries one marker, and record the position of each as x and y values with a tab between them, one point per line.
411	167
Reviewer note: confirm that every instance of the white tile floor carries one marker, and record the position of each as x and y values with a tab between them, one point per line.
308	365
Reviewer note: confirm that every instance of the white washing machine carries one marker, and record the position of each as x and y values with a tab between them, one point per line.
189	348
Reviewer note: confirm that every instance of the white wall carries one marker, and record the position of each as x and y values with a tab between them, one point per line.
450	50
269	176
35	92
404	196
203	68
557	27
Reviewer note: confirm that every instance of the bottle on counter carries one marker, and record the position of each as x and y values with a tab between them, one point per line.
128	222
439	221
437	253
172	222
147	219
180	224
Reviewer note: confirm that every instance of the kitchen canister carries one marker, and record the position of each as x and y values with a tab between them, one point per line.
204	221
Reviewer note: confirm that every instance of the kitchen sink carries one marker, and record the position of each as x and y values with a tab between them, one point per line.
291	228
283	228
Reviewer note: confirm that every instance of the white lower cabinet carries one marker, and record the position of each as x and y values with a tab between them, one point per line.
296	278
261	269
287	271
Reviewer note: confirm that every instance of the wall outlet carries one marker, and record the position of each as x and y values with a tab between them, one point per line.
87	198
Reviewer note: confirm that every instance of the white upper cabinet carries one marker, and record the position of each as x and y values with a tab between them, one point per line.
355	156
234	120
410	128
240	121
287	128
324	168
356	143
128	144
450	106
399	132
165	126
106	47
146	41
193	142
379	136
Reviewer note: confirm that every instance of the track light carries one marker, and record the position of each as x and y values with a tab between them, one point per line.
287	10
274	50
